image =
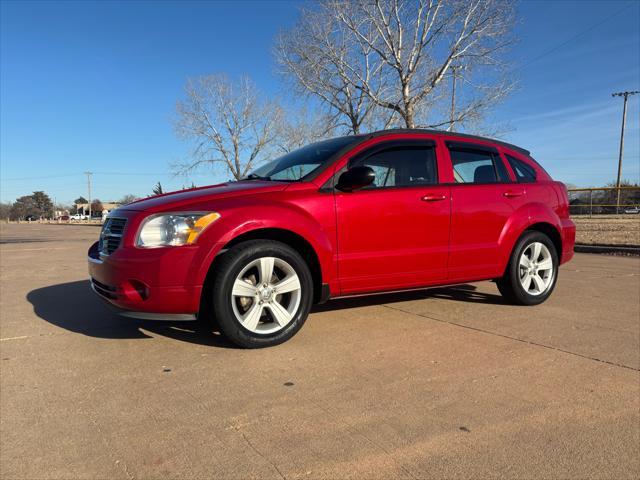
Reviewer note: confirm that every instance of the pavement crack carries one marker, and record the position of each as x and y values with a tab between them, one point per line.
264	457
513	338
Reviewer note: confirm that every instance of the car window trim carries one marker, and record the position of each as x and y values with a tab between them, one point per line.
455	145
378	147
509	159
329	186
480	148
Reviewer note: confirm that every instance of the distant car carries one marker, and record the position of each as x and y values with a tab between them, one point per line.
632	210
393	210
31	218
79	216
64	218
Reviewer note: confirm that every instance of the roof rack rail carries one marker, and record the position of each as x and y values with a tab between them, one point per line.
453	134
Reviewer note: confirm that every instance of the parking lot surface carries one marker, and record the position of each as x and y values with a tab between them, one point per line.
442	383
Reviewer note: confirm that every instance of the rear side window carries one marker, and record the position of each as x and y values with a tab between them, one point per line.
477	166
401	166
524	172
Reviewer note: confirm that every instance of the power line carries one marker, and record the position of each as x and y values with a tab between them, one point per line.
42	177
124	174
571	39
583	157
132	174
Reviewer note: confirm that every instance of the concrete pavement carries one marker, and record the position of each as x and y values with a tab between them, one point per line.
444	383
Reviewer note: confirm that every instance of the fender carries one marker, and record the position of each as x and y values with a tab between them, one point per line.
286	216
521	219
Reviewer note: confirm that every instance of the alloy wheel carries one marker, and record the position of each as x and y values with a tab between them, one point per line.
266	295
536	269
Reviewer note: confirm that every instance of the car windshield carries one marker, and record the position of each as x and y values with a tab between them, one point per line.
300	163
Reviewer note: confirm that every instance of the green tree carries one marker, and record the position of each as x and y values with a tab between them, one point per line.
23	207
80	199
43	204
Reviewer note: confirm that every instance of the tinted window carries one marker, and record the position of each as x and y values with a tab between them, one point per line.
298	164
524	172
402	166
477	166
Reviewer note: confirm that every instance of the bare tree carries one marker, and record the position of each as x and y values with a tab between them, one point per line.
5	210
410	47
96	206
321	58
300	127
129	198
228	123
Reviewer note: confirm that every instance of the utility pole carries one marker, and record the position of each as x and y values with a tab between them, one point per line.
624	120
454	75
88	174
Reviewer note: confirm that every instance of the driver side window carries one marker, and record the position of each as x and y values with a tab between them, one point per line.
401	166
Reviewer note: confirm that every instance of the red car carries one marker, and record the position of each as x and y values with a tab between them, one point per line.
392	210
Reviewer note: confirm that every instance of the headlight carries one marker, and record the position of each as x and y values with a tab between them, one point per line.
174	229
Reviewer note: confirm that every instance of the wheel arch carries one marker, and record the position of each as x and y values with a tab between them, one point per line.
530	217
288	237
550	231
544	227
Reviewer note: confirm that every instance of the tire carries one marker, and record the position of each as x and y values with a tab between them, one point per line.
521	271
272	311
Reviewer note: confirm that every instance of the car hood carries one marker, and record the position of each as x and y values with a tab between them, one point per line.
194	196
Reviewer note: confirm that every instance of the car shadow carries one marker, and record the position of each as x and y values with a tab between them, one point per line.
74	307
460	293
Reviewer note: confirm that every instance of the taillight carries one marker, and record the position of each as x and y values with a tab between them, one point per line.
563	200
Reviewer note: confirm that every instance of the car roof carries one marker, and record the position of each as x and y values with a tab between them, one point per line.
443	132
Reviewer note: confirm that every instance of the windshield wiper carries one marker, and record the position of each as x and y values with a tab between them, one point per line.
255	176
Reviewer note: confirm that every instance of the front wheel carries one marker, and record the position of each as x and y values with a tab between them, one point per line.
532	272
262	293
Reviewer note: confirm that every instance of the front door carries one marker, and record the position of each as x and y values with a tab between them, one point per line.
394	233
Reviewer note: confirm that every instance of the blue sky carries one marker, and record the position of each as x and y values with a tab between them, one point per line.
93	86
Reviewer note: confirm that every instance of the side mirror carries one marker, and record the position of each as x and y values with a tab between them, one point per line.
356	178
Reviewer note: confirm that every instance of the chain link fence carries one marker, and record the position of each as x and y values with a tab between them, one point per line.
604	201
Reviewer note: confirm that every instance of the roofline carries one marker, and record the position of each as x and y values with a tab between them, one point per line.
444	132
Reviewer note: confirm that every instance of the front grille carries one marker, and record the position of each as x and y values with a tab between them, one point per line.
111	235
106	291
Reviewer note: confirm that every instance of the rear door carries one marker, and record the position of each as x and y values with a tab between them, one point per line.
483	198
394	234
539	190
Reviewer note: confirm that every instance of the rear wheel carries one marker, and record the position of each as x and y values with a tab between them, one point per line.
262	293
532	272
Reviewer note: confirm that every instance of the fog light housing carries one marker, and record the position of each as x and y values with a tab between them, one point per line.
135	289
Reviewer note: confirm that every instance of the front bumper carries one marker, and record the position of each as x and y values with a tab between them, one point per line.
149	284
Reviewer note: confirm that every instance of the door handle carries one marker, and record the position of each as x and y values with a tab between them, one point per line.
513	194
433	198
